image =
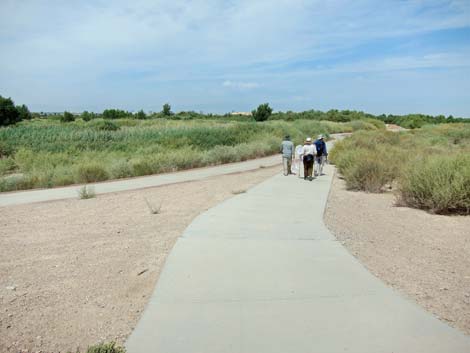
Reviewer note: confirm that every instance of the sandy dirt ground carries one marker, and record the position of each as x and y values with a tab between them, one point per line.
425	257
77	272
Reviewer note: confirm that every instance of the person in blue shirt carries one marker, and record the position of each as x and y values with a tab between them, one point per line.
321	155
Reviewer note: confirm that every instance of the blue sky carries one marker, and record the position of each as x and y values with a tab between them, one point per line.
378	56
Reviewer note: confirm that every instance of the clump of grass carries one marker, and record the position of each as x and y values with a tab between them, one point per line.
86	192
153	208
106	348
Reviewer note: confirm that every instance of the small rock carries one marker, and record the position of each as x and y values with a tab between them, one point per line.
443	288
143	271
11	287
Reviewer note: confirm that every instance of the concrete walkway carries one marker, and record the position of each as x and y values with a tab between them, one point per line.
30	196
260	273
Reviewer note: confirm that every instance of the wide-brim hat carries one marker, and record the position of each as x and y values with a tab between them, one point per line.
320	137
308	140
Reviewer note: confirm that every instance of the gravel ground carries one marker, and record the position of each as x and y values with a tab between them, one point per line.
424	256
77	272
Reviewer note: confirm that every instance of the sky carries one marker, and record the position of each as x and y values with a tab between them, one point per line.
378	56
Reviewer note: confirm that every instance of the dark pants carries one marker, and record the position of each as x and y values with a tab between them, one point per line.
308	167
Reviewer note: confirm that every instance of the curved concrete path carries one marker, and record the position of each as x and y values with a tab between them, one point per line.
30	196
260	273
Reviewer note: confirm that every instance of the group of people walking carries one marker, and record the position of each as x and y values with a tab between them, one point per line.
313	154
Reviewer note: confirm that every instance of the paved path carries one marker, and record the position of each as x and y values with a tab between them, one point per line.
22	197
260	273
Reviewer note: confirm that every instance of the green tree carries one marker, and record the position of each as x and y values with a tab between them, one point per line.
141	115
24	112
115	114
86	116
166	109
263	112
67	117
9	114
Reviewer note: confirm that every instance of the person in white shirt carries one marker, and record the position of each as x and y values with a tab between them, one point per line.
308	154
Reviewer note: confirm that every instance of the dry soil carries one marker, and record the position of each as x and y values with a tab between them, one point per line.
77	272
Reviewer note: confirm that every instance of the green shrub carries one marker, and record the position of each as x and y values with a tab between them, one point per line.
105	125
431	166
7	165
142	166
106	348
262	113
438	183
5	149
362	125
120	169
67	117
91	172
86	192
17	182
368	170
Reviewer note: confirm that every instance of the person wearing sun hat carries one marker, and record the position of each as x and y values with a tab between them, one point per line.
308	153
321	154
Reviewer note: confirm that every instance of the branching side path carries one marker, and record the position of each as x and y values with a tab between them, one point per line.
29	196
260	273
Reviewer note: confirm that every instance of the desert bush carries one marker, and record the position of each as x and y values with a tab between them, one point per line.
105	125
439	183
7	165
142	166
431	166
86	192
120	168
5	149
62	175
370	171
91	172
357	125
16	182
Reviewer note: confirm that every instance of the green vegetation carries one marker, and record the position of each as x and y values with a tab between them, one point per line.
47	153
67	117
105	348
430	167
409	121
86	192
166	109
262	113
11	114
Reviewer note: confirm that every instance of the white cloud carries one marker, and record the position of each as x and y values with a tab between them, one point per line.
240	85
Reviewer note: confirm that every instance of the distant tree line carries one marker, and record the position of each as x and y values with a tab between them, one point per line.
410	121
11	114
